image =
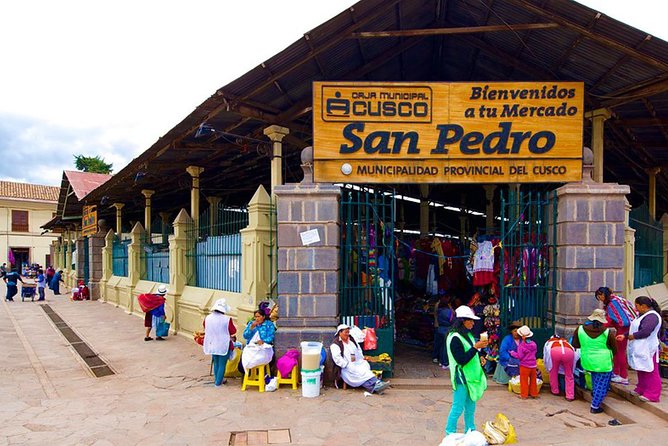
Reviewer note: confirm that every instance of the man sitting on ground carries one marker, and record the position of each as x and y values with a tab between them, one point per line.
350	363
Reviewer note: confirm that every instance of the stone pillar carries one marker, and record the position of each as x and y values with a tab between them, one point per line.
195	172
181	267
652	172
629	252
96	273
256	250
107	263
308	276
68	255
424	210
147	210
489	212
135	265
276	134
590	247
214	202
81	258
164	217
119	220
598	118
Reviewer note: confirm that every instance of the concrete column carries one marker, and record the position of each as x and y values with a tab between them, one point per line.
256	250
276	134
107	264
424	210
213	214
195	172
629	251
147	210
652	172
591	222
181	267
135	265
68	255
308	276
598	118
489	196
119	220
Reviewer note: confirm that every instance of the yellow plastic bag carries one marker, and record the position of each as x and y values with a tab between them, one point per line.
502	423
232	367
540	365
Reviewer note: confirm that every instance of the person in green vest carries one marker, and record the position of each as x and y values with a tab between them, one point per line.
468	378
597	346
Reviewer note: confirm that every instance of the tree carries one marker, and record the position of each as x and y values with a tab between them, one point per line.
92	164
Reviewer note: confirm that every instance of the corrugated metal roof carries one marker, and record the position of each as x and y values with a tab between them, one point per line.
10	189
612	58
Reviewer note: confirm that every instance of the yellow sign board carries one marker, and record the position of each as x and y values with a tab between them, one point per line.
89	221
472	132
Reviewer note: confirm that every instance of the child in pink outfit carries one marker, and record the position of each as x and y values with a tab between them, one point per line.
526	353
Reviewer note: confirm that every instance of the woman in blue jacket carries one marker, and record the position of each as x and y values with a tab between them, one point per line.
508	366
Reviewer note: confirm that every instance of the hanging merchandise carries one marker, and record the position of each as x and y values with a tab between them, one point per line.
483	264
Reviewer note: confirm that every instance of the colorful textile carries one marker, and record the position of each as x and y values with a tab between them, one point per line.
149	301
600	382
620	312
526	353
267	330
287	362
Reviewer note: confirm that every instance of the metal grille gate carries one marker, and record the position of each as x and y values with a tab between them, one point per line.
86	260
367	253
528	260
648	256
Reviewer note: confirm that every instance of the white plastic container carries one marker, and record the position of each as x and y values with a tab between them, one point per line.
311	355
311	383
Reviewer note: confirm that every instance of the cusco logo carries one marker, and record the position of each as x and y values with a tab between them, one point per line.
376	104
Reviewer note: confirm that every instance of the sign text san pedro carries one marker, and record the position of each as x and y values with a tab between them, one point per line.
487	132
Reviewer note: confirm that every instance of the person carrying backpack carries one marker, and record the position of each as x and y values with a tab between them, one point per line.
619	313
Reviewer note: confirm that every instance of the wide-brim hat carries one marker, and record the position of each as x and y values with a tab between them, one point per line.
464	312
514	324
598	315
162	290
524	331
341	327
221	305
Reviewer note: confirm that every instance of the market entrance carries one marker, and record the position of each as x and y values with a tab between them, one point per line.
395	279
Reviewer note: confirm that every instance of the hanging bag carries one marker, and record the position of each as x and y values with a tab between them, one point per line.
370	339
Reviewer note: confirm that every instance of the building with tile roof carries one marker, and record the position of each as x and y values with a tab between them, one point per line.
24	208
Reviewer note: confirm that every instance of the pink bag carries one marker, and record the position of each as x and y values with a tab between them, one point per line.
370	339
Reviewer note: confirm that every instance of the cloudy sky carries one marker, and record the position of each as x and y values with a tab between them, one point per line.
102	77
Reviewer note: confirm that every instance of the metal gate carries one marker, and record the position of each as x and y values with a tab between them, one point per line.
528	260
648	256
86	260
367	253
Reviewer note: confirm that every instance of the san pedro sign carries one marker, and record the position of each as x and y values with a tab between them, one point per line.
482	132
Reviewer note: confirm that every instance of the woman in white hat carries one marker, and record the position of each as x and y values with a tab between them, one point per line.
468	378
597	345
219	334
351	366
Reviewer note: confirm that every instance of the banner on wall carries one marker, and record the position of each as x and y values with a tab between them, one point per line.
89	221
472	132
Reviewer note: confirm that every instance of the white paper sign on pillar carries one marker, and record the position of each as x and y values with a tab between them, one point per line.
309	237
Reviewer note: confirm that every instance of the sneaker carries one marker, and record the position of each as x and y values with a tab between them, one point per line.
148	338
159	338
619	380
596	410
445	367
643	398
380	387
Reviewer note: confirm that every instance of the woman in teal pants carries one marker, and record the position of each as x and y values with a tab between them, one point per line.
468	378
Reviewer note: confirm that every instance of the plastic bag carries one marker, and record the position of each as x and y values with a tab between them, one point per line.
357	334
370	339
471	438
502	423
232	367
492	434
254	355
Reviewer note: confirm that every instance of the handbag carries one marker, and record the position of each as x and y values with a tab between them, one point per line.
162	328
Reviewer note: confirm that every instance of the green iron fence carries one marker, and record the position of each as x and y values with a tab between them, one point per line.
73	248
119	255
214	248
367	251
155	252
648	256
86	260
528	260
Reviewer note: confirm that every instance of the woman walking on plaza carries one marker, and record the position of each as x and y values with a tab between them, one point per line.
597	344
619	313
644	349
219	334
468	378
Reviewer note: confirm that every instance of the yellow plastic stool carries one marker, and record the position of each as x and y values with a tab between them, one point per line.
292	379
255	377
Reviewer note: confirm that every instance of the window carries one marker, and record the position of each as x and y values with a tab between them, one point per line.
20	221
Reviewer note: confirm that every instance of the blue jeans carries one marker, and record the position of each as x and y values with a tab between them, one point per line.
461	403
219	364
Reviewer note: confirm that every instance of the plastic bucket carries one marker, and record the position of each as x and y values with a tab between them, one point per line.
311	355
311	383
